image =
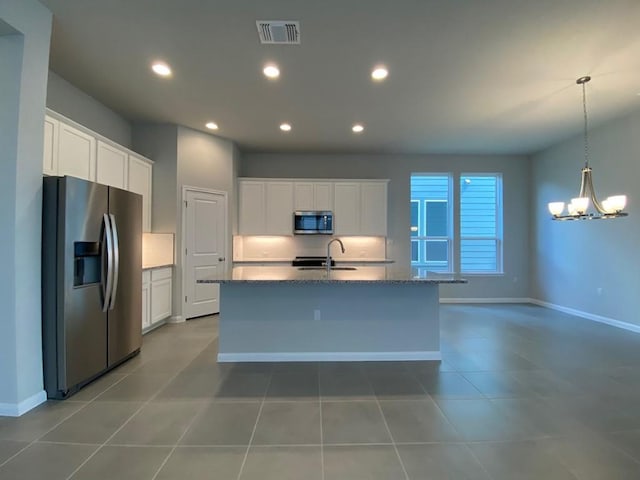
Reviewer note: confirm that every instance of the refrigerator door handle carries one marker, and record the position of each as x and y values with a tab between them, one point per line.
116	261
107	247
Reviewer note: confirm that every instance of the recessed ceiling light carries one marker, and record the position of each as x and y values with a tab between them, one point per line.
271	71
357	128
161	68
212	125
285	127
379	73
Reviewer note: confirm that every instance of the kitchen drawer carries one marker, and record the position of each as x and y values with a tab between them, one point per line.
161	274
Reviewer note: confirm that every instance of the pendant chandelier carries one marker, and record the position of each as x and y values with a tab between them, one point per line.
578	208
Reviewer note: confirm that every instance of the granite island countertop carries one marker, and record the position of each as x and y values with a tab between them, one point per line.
358	274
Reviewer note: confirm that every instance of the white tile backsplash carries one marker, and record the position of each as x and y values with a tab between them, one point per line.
157	249
256	248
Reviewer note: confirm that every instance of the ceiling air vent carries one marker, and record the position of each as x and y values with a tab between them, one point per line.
279	32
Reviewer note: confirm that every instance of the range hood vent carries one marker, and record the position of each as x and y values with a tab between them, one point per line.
281	32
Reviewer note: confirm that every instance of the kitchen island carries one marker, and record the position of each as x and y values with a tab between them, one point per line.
284	313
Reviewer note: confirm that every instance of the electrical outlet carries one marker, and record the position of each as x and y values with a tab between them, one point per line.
316	314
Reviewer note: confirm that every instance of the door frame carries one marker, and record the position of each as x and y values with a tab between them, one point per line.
182	256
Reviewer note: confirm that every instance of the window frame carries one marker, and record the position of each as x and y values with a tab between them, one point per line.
415	239
422	238
499	217
438	238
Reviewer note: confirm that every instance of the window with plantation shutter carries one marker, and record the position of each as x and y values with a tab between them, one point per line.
480	223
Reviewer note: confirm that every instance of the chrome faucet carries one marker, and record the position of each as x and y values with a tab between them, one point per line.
328	263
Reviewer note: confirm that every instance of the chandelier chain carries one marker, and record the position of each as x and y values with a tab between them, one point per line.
586	138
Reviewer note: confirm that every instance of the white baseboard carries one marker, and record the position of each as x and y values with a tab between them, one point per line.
485	300
176	319
18	409
589	316
153	326
328	356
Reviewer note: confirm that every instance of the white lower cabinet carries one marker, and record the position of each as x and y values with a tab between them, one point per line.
146	300
156	297
160	294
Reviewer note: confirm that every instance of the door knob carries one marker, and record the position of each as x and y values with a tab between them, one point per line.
221	259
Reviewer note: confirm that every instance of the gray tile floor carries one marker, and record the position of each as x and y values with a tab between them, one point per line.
522	393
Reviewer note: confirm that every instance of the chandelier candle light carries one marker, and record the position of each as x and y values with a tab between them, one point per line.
612	207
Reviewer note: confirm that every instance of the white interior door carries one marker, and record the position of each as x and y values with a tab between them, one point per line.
205	234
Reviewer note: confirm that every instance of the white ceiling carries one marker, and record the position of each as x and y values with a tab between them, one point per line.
466	76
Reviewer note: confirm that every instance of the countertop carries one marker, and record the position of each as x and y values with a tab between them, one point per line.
342	261
361	274
153	267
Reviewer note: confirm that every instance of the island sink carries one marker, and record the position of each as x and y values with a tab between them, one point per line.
324	268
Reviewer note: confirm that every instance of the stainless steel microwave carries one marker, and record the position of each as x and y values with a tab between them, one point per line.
313	222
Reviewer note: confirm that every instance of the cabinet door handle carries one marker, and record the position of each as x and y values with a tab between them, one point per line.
221	259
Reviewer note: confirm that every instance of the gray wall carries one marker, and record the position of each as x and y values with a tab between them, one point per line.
160	143
185	157
398	168
204	161
24	61
70	101
570	261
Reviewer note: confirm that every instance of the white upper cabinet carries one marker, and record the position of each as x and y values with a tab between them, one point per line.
346	212
373	208
279	204
303	196
361	208
139	180
313	196
76	153
50	156
252	210
323	195
265	207
111	165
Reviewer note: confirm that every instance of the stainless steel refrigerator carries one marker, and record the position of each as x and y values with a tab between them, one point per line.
91	281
